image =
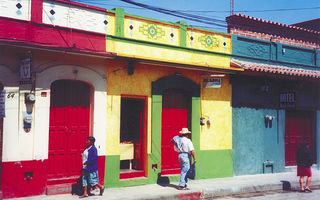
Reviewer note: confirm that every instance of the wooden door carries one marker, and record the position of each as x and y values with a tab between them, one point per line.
299	127
69	127
175	115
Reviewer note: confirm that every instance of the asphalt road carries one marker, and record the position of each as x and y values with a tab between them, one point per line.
275	195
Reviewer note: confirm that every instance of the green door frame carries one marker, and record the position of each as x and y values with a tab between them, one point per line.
173	82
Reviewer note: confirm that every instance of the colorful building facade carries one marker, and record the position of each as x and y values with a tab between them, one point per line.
129	81
160	70
275	101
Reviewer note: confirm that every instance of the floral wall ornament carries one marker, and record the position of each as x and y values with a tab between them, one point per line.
209	41
152	31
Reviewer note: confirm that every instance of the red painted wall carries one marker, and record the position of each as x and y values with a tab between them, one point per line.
15	184
48	36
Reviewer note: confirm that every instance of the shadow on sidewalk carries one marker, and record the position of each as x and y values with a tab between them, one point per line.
286	185
165	182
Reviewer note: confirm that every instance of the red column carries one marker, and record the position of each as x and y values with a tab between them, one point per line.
36	11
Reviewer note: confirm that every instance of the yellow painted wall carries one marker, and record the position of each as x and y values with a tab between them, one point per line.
214	103
134	50
208	41
111	26
151	31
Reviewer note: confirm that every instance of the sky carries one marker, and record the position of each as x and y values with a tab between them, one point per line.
283	11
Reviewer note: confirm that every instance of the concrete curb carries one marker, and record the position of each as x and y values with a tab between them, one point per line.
215	193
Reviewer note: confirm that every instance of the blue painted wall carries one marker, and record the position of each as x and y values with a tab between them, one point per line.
274	53
253	143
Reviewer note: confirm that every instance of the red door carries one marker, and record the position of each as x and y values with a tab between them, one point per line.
69	127
175	112
299	127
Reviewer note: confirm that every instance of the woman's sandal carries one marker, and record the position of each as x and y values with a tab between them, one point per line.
101	191
83	196
307	190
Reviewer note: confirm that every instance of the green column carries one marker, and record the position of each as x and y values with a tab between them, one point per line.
119	21
183	33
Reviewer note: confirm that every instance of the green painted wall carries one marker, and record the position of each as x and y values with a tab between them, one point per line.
253	143
266	51
214	164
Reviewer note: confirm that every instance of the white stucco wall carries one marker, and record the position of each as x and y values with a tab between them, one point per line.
11	144
93	76
8	8
66	15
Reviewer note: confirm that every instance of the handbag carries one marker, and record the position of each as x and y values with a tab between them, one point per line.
192	172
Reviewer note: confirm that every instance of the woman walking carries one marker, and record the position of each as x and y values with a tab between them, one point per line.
304	163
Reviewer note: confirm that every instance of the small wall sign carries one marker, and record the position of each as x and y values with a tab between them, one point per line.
287	100
2	103
212	83
25	71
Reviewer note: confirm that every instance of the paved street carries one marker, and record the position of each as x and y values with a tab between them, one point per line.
274	195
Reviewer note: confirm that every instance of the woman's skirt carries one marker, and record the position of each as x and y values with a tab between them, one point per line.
304	171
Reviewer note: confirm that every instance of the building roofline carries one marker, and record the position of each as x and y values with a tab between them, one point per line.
281	25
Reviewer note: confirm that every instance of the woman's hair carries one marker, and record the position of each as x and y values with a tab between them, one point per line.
91	139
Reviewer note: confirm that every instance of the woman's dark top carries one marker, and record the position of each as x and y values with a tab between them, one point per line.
304	157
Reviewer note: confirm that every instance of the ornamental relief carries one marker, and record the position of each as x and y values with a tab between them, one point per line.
208	41
257	50
152	31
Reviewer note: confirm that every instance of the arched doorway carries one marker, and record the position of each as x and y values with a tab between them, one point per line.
176	102
69	127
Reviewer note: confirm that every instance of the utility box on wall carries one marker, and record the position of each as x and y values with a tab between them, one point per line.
267	167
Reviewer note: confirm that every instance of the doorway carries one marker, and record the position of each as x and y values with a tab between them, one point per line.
69	128
300	126
176	114
132	137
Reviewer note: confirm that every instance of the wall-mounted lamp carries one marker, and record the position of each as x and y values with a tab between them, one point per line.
205	120
202	121
268	120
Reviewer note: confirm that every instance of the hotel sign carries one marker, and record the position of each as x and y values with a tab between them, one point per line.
287	100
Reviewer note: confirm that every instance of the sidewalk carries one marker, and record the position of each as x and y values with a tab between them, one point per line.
198	189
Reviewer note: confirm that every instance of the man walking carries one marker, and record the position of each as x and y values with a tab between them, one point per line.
184	147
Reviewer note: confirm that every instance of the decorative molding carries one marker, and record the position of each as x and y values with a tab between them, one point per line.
152	31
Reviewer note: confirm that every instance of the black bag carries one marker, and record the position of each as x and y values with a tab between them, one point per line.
191	172
77	188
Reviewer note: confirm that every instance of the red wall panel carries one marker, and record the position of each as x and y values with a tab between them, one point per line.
51	36
14	182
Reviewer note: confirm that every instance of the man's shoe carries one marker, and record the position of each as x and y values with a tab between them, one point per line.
181	188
